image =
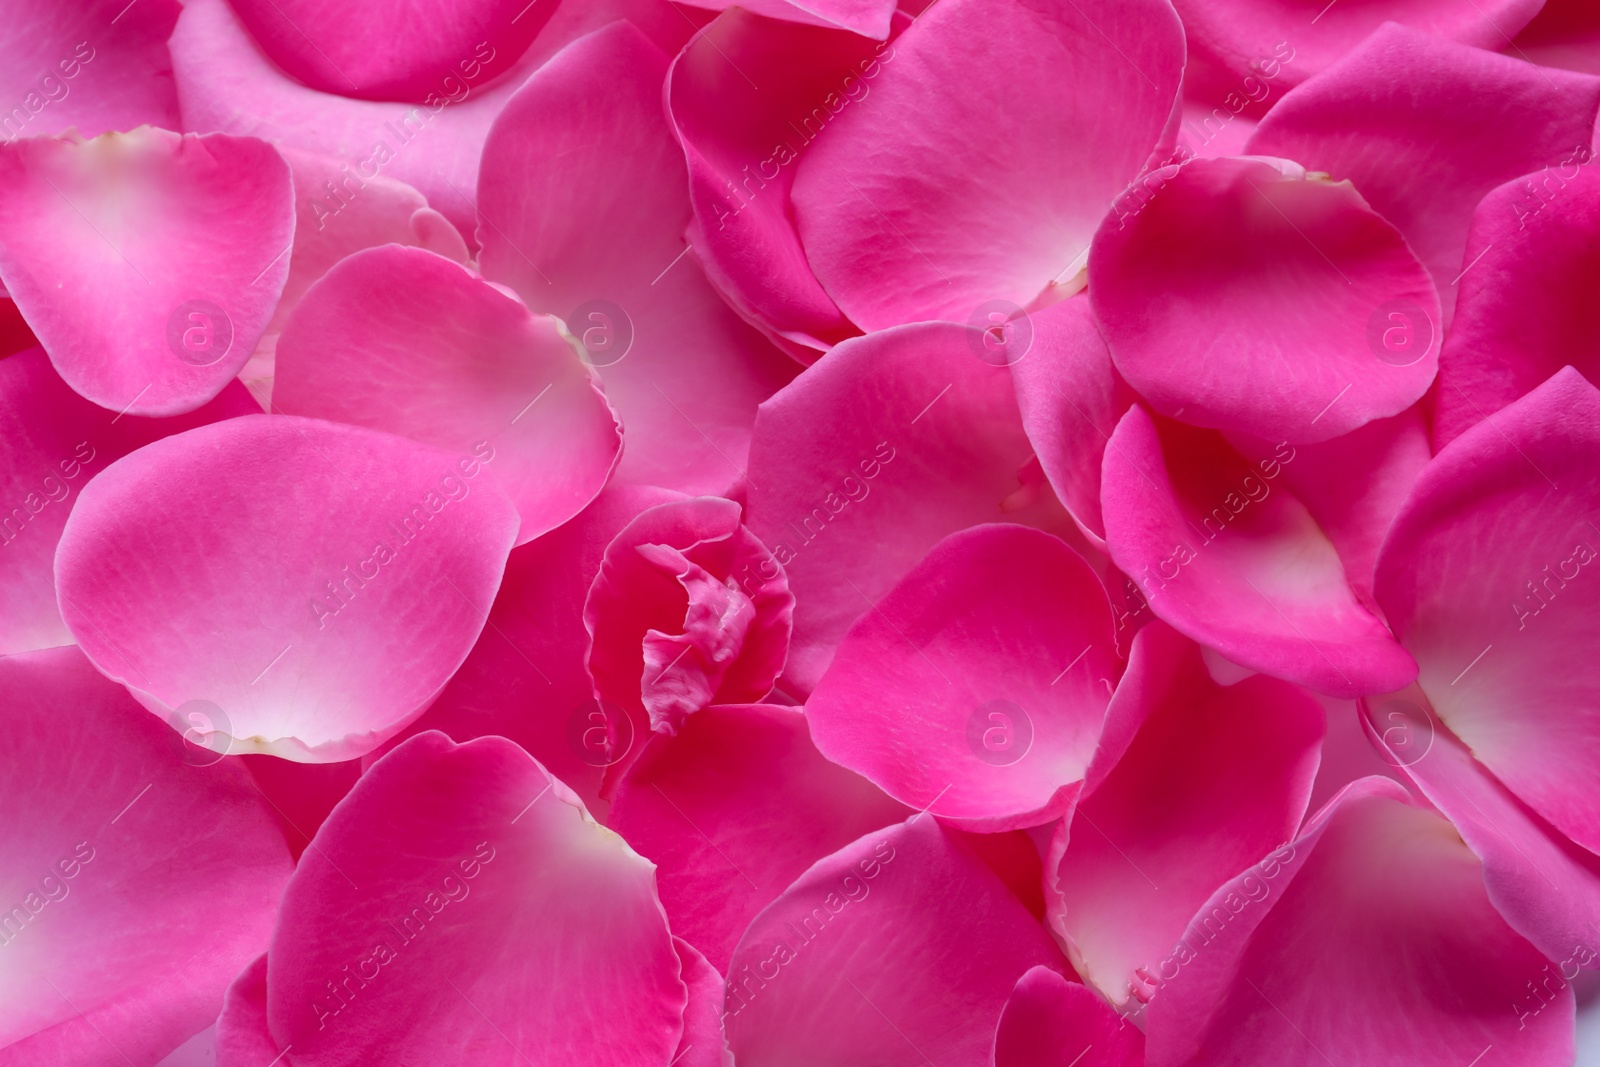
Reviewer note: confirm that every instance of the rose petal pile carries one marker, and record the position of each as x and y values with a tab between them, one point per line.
620	533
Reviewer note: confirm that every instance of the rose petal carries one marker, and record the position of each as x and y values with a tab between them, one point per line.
311	584
1062	1022
869	18
1565	34
702	1018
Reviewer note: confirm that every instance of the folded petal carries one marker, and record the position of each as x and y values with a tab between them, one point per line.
404	340
1236	562
461	905
899	207
147	263
899	949
1289	309
309	586
96	65
735	807
55	441
1370	939
1214	778
242	1035
584	199
1524	311
1486	579
977	686
703	1043
1565	34
1051	1022
1434	141
126	914
884	446
869	18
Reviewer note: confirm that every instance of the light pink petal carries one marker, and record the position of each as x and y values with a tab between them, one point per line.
703	1043
1486	579
311	585
869	18
1565	34
977	686
377	51
1051	1022
1524	311
1215	777
55	441
1070	396
1247	47
735	807
743	154
584	199
460	905
898	950
128	912
147	263
527	678
967	181
1368	940
887	444
1226	554
93	65
1277	291
1434	141
404	340
1547	888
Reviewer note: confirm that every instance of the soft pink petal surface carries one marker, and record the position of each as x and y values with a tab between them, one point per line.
869	18
1051	1022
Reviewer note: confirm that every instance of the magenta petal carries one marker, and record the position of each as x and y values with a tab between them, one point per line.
147	263
1433	142
460	905
1215	777
1051	1022
703	1043
129	912
404	340
887	444
1368	940
1232	559
733	809
311	586
1565	34
585	200
869	18
977	686
898	950
1485	579
242	1035
1525	309
899	206
93	65
1277	294
55	441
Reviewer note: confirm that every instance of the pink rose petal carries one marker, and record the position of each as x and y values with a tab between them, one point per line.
1051	1022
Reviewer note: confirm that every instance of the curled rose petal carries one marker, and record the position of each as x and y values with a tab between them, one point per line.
703	1043
404	340
977	686
305	587
1278	291
147	263
1061	1021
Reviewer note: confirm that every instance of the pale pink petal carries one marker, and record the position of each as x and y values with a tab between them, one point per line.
1525	310
381	51
898	950
900	205
1277	287
1051	1022
147	263
887	444
1434	141
1368	940
128	910
93	65
1487	580
1215	777
404	340
703	1043
1226	554
1547	888
55	441
585	200
735	807
311	585
460	905
977	686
